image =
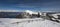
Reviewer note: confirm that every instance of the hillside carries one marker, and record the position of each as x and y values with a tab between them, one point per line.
38	22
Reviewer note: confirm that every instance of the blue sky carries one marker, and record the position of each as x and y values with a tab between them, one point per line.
34	5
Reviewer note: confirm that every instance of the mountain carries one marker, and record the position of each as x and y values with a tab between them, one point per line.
13	14
31	12
9	14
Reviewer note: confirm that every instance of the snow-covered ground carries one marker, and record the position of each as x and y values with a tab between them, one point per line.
38	22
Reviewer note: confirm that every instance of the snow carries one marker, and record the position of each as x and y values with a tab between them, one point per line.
38	22
30	12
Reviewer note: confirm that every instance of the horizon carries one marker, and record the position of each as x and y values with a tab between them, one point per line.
24	11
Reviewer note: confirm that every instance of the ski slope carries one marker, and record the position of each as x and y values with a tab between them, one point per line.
37	22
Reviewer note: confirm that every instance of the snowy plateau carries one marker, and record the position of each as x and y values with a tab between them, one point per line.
37	22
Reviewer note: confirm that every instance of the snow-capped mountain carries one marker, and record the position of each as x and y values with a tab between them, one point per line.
31	12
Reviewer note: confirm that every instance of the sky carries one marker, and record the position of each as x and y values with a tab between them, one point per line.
34	5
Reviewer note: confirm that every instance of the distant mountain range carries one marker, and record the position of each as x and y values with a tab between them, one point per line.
9	14
14	13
